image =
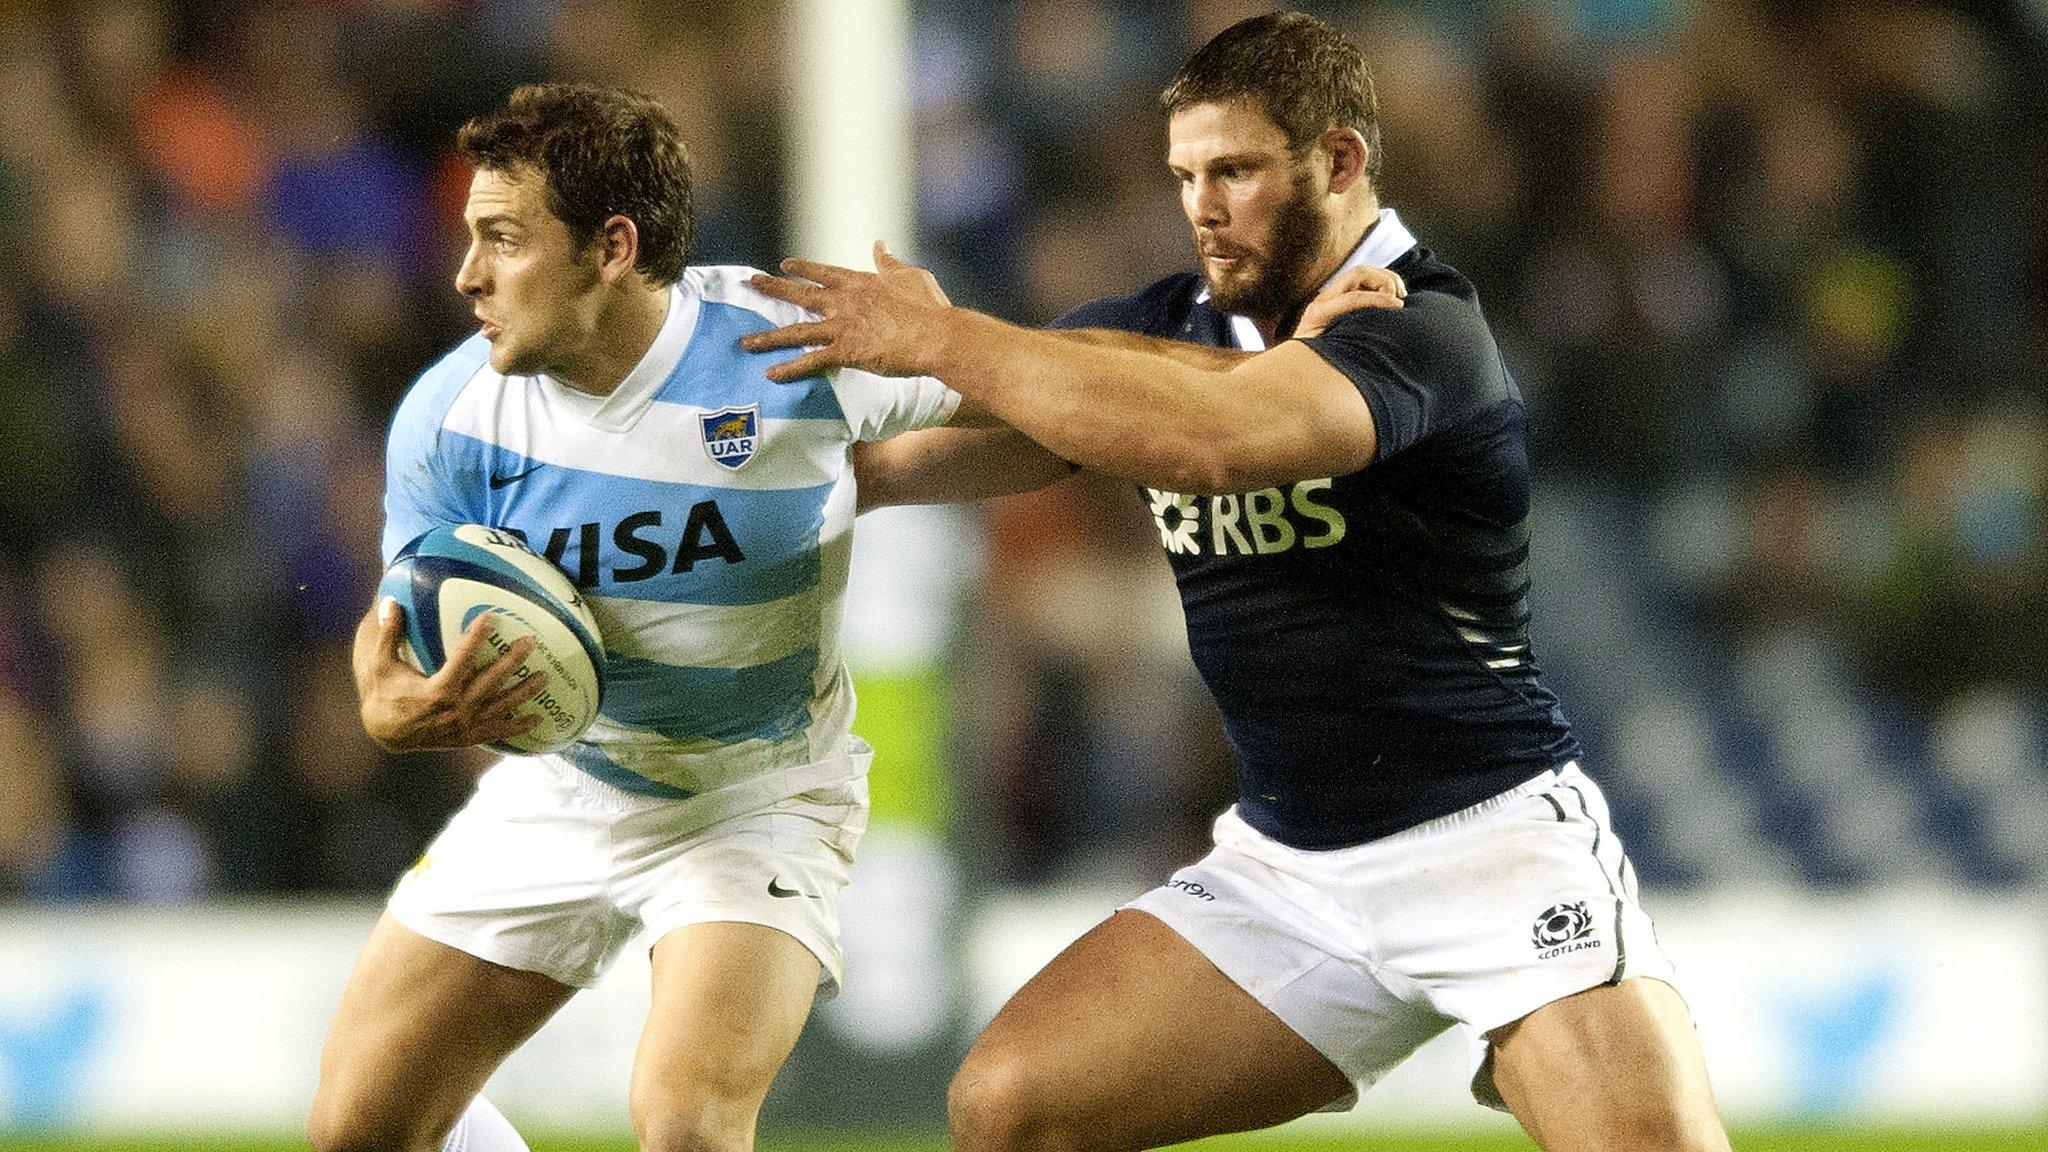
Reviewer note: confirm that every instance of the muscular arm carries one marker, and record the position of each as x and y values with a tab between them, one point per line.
978	456
1272	418
1200	356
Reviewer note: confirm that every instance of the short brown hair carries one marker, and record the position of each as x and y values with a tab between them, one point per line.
604	152
1302	73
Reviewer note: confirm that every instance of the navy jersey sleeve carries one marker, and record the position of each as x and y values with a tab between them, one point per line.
1422	368
1115	312
1157	309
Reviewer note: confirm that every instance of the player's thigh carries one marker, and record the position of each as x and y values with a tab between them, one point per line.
729	1001
1613	1067
421	1026
1131	1038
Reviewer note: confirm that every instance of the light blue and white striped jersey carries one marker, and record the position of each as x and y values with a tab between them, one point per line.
706	512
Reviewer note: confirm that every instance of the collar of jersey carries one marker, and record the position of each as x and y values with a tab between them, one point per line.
623	408
1385	242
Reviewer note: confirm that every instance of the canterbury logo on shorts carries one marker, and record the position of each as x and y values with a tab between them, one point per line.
1563	928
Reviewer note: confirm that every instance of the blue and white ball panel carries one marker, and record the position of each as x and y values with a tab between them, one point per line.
514	565
449	576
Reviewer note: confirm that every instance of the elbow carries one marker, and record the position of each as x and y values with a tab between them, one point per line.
1204	469
1226	469
1233	459
1205	462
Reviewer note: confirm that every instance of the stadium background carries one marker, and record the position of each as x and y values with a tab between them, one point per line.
1770	274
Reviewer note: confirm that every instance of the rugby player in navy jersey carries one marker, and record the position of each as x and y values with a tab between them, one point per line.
1345	506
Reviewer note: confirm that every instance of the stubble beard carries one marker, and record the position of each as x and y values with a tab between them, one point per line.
1275	285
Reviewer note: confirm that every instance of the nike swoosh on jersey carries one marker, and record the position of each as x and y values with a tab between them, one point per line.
775	888
498	481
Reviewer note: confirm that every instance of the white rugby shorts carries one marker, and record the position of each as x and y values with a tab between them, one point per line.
1477	918
550	870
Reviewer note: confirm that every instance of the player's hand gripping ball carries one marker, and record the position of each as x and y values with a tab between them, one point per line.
447	576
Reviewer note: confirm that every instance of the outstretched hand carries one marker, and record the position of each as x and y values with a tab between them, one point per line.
883	321
1361	287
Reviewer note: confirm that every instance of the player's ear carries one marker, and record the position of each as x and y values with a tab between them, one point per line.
1347	152
618	241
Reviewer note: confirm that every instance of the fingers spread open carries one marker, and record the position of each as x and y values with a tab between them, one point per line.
520	691
504	726
508	662
830	275
809	364
796	292
787	336
518	726
457	666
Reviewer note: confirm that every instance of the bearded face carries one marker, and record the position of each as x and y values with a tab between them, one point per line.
1269	274
1259	211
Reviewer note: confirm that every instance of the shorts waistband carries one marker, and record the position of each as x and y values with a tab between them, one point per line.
1541	782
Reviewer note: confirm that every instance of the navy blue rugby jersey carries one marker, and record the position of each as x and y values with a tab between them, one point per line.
1367	636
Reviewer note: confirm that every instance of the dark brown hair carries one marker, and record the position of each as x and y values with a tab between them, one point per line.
1302	73
604	152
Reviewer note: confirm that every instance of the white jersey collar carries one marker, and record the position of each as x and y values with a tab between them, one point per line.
623	407
1385	242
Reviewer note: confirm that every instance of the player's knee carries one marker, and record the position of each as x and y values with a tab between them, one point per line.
1664	1129
1675	1132
338	1123
672	1123
994	1106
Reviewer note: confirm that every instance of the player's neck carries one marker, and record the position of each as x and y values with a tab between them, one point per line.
625	330
1346	233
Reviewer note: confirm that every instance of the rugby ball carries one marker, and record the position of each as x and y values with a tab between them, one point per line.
446	577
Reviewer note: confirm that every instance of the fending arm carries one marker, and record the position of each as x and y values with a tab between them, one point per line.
1268	418
1191	422
1200	356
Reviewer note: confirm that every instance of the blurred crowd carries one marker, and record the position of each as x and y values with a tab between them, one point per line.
1770	274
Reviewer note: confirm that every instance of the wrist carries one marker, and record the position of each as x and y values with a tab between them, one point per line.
388	726
943	354
382	734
